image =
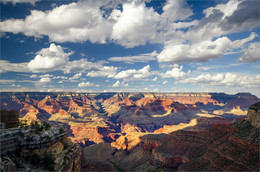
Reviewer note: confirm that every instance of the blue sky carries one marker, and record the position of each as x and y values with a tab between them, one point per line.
130	45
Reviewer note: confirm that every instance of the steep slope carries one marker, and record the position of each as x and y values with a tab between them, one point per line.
103	117
38	148
211	144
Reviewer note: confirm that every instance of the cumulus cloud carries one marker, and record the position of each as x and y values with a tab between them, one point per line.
76	76
60	77
81	66
33	76
242	17
165	82
74	22
176	73
135	24
87	84
49	59
134	74
7	66
224	79
134	59
45	79
20	1
117	84
250	54
155	78
230	17
202	51
105	71
176	10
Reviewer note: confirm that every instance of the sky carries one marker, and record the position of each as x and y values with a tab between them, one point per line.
130	46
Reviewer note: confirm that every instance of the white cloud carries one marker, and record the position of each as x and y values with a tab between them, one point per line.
230	17
117	84
203	68
165	82
134	74
60	77
81	66
46	76
6	66
155	78
105	71
76	76
20	1
49	59
6	81
224	79
133	59
227	9
74	22
176	73
135	24
202	51
14	85
33	76
251	54
176	10
182	25
87	84
45	80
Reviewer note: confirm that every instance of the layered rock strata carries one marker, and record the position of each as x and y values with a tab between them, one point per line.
28	149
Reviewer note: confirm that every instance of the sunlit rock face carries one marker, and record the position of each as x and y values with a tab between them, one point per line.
253	115
212	144
94	118
140	131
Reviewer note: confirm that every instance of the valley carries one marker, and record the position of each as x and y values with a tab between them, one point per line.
140	131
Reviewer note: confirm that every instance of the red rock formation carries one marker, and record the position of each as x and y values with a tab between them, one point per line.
96	134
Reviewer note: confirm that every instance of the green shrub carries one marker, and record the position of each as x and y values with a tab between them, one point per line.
22	123
38	128
61	130
46	125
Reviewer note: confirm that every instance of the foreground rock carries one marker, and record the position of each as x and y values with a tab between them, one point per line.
253	115
38	148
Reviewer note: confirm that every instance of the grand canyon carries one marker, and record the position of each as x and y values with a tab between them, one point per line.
150	131
129	85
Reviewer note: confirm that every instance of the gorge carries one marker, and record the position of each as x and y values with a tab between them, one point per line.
149	131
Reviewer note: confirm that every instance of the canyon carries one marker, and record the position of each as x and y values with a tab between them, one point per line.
149	131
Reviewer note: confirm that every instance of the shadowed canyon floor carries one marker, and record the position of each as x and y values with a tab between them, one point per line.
142	131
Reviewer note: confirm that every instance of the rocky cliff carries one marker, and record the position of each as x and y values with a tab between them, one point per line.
133	130
38	147
253	115
212	144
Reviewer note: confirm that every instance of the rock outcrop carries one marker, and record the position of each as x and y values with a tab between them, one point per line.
212	144
38	147
138	131
253	115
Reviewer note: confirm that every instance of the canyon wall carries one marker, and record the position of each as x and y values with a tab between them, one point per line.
31	148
